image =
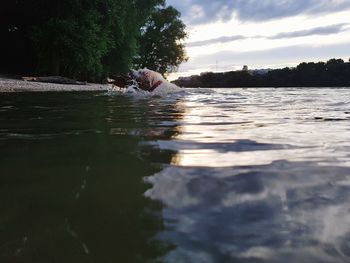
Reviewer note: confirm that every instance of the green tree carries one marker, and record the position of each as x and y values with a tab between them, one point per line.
161	48
84	39
126	19
73	45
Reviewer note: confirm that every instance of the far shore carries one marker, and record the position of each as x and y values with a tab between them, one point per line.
16	85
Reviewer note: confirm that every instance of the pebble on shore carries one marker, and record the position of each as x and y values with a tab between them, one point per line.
16	85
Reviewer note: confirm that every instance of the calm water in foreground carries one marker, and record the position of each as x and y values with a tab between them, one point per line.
223	175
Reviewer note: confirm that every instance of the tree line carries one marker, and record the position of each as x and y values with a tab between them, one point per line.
89	39
333	73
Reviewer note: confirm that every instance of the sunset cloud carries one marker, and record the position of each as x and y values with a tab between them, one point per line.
226	34
323	30
253	10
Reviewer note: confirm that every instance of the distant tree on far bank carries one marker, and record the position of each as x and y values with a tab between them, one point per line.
160	41
333	73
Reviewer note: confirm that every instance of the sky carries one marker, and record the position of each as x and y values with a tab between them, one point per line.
224	35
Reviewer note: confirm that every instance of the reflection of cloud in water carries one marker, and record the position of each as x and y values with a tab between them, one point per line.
256	177
280	212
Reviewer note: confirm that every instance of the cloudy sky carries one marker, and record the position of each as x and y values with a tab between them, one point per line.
227	34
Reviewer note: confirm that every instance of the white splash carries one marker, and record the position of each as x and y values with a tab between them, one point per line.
133	89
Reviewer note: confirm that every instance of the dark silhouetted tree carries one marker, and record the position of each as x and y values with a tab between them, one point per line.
333	73
161	48
77	38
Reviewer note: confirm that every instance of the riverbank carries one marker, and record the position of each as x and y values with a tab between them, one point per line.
16	85
333	73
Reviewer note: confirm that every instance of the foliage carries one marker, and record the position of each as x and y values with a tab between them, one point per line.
333	73
126	19
64	51
84	39
160	42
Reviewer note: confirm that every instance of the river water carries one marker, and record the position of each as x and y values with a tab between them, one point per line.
204	175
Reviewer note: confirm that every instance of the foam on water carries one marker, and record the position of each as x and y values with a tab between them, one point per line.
134	90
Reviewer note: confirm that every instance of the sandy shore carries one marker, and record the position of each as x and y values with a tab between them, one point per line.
15	85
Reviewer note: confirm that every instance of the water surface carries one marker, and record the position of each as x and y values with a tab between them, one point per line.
205	175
